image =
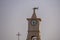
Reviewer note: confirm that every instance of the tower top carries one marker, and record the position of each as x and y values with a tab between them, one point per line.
34	14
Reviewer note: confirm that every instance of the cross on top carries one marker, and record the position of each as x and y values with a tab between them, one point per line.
18	35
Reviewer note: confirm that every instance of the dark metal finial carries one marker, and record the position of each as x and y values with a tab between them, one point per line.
34	9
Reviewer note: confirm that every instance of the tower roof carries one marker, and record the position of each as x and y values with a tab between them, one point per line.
34	14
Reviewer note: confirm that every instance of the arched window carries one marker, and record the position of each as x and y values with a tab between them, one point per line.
34	38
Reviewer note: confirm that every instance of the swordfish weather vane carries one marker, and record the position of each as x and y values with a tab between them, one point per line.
35	9
18	35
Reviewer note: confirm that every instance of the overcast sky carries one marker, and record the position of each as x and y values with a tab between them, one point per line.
13	14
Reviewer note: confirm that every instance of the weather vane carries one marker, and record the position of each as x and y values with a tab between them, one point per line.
35	9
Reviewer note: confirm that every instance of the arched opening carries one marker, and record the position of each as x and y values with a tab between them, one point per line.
34	38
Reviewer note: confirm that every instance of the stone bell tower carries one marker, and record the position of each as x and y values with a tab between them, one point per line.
33	27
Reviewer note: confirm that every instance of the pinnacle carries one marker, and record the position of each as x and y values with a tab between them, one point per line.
34	14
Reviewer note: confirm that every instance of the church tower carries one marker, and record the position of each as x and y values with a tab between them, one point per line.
33	27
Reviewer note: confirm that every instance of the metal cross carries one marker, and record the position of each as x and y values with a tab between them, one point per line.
18	35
